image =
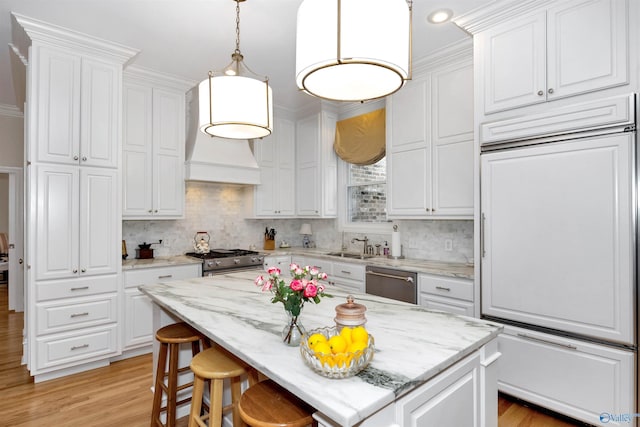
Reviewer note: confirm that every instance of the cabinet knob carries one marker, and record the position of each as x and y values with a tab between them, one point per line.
75	270
540	93
20	261
150	211
84	270
156	211
84	158
550	90
75	157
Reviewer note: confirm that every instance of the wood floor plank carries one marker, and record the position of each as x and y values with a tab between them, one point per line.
119	394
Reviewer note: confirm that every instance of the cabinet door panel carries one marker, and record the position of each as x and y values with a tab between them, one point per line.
57	222
453	178
100	114
452	104
169	192
583	56
410	183
408	111
138	328
513	63
57	113
558	228
99	237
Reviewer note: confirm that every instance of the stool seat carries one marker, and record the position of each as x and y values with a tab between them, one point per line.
266	404
216	365
171	337
178	333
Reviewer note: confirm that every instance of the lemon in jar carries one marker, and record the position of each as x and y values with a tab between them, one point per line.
359	334
337	344
346	334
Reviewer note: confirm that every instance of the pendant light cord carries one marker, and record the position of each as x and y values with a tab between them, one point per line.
238	26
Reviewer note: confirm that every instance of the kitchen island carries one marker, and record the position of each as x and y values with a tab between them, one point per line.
429	367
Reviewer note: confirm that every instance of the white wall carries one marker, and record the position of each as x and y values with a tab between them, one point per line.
219	210
11	141
4	203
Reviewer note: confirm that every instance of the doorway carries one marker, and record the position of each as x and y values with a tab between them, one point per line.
12	224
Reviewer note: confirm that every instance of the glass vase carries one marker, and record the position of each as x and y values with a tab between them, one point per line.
293	330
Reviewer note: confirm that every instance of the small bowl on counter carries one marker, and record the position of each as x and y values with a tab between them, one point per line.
340	365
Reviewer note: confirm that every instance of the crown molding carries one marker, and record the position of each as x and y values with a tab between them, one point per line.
496	12
44	33
147	75
10	111
458	51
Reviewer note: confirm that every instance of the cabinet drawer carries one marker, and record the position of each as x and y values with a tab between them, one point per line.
575	378
147	276
446	287
82	347
55	289
321	264
348	285
282	262
64	315
449	305
348	271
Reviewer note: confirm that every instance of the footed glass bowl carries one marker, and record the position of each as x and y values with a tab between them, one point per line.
341	365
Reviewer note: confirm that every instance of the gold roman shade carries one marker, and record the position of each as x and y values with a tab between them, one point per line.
361	140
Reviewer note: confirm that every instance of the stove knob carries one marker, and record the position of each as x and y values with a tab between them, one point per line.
218	262
209	263
236	261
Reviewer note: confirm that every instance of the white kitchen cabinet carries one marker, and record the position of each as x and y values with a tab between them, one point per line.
316	166
451	294
430	145
153	148
561	213
275	195
77	119
573	377
280	261
348	276
76	224
137	327
572	48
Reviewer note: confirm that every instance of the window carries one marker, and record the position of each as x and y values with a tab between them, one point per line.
367	193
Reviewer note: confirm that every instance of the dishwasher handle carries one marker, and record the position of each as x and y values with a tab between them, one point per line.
392	276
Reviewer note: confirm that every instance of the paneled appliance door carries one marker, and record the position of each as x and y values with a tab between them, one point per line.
558	236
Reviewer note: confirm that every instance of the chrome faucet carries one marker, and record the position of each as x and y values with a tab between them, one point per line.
365	241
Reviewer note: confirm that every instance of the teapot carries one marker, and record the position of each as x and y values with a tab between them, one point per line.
201	242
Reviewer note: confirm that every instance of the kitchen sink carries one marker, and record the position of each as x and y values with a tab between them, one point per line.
349	255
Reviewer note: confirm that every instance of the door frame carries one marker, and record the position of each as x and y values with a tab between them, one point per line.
16	231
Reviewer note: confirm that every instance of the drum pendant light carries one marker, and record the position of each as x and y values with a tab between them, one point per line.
353	50
235	103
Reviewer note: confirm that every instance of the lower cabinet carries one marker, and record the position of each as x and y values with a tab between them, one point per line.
576	378
137	327
280	261
450	294
348	276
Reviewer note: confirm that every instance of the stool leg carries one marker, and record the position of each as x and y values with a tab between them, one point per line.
157	394
195	347
215	407
236	392
172	384
196	400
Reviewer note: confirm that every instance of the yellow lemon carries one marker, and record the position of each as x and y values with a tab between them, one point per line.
346	334
315	339
337	344
321	347
357	346
359	334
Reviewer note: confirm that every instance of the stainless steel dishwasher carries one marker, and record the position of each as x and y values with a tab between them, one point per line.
391	283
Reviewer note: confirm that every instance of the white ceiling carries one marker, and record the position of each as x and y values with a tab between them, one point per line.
187	38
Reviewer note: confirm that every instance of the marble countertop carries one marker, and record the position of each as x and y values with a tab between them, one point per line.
134	263
441	268
413	344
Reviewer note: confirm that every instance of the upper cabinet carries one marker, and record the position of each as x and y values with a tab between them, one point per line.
316	166
153	147
430	144
275	195
576	47
77	119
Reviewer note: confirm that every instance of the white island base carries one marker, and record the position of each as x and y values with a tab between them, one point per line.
429	369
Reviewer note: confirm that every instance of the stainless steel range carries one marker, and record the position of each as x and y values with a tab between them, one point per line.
218	260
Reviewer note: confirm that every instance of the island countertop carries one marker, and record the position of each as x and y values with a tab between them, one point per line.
413	344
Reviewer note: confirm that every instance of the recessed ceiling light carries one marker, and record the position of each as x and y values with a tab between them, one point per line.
439	16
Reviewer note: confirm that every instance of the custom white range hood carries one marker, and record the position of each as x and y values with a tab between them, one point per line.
214	159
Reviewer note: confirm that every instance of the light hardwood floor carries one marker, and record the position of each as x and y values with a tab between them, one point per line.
119	394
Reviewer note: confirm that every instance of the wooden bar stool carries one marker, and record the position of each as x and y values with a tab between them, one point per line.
266	404
170	338
215	365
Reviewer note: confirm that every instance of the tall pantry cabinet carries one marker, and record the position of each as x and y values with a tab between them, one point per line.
73	143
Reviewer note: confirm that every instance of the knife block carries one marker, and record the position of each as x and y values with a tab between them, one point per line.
269	244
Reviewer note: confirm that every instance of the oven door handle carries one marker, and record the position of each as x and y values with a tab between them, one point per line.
392	276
